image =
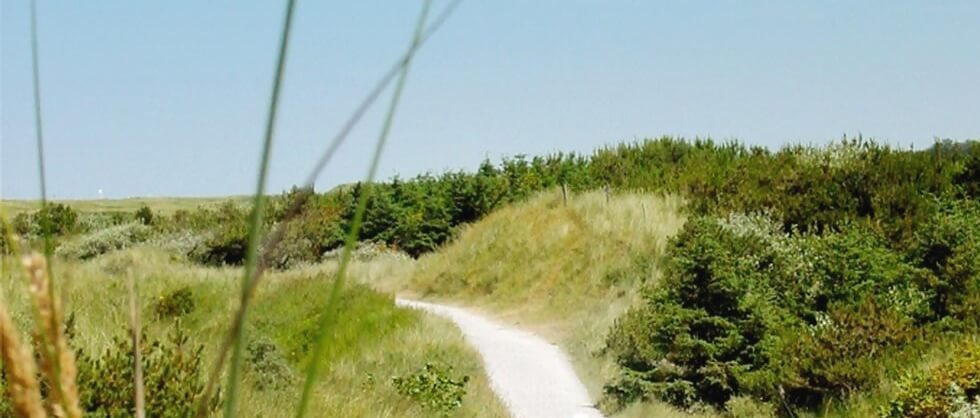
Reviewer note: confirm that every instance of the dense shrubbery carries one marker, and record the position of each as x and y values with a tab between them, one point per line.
747	309
173	376
860	250
54	218
802	273
101	242
805	188
144	214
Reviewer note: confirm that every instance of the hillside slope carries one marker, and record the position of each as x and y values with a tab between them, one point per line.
562	269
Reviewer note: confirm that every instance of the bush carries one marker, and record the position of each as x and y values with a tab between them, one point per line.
173	375
948	245
145	215
228	241
94	222
296	248
840	355
943	390
184	243
703	333
434	388
176	303
98	243
745	309
59	219
55	218
270	370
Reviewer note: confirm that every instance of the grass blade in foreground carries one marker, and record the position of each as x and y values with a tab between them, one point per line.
56	362
326	321
276	236
255	222
139	403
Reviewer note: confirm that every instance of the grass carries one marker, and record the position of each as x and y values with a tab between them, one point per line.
160	205
320	327
564	270
372	342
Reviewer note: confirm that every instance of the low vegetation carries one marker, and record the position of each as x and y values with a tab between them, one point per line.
183	306
718	279
563	264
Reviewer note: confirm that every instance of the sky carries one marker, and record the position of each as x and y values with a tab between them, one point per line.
144	98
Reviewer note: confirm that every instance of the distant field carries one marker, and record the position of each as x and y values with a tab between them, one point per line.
164	205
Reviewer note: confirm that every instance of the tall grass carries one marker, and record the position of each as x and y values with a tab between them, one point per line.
372	340
236	340
327	320
565	269
255	221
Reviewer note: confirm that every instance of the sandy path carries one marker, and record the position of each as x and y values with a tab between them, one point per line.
532	376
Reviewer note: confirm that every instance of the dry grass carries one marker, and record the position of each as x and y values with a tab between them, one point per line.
21	374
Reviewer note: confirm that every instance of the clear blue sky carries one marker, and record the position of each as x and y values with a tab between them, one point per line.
168	98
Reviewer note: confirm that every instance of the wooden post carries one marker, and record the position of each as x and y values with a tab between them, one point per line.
564	194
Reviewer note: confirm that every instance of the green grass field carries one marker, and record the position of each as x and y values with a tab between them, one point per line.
373	342
162	205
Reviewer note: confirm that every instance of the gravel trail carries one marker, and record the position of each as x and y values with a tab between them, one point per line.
533	377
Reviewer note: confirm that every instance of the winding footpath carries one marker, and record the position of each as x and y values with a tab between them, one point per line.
533	377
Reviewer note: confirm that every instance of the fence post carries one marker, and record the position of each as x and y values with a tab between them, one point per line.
564	194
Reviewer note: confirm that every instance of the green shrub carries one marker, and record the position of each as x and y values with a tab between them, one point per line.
145	215
948	245
434	387
94	222
968	179
703	333
745	309
228	239
269	369
173	375
840	355
101	242
941	390
186	243
176	303
296	248
55	218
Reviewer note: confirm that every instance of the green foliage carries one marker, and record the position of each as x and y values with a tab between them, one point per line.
948	245
434	387
177	303
941	391
269	369
802	188
748	310
173	375
55	218
145	215
969	178
745	407
91	222
228	234
104	241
